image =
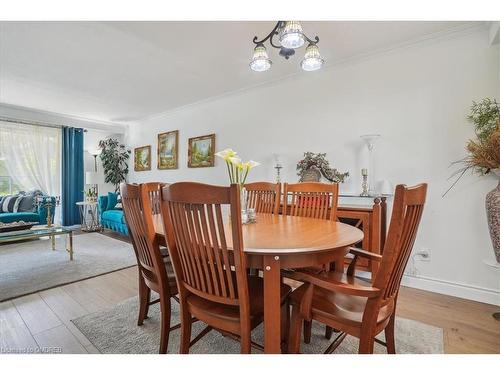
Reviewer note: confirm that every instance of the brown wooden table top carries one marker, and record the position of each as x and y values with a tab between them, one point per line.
278	234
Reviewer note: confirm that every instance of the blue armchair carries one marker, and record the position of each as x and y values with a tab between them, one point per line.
112	218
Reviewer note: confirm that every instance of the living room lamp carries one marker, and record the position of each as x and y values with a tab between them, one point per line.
95	152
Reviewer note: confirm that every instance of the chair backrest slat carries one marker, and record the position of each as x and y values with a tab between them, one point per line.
210	260
311	199
204	261
265	197
154	197
406	215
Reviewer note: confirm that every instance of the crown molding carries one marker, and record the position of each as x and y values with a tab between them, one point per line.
448	34
494	33
82	121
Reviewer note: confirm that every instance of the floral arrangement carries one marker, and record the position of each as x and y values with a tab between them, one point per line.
483	153
237	170
319	162
90	194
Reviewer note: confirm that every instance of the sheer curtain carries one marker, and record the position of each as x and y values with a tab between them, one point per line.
32	156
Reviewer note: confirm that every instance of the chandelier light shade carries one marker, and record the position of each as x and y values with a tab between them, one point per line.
260	61
291	37
312	59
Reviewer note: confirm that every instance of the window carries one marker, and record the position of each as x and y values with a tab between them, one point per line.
7	185
30	158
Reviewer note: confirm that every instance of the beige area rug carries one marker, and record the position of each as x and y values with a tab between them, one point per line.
115	331
28	267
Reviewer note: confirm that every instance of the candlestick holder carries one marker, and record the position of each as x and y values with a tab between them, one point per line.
278	166
364	185
48	204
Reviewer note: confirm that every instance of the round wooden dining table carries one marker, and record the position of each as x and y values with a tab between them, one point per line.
277	242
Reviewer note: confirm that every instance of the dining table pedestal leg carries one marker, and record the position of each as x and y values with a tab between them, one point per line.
272	304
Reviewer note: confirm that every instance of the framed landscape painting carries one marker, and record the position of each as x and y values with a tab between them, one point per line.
201	151
168	147
142	158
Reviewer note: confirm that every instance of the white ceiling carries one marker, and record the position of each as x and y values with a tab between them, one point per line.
127	71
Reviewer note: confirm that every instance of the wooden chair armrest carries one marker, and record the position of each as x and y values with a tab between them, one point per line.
360	253
337	282
365	254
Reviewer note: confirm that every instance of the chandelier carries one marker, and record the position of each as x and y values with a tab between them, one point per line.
290	37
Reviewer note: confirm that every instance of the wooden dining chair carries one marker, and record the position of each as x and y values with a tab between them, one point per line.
155	269
209	262
315	200
154	193
311	199
351	305
264	197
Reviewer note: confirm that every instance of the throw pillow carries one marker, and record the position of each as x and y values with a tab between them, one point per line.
16	204
26	204
7	202
29	201
112	200
10	203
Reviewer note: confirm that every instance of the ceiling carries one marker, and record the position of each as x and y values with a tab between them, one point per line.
127	71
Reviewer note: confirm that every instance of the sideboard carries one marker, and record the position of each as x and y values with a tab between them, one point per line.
370	215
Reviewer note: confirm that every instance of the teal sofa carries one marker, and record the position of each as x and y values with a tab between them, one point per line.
112	218
37	214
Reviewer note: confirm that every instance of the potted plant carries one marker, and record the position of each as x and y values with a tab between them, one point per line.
114	157
483	157
313	166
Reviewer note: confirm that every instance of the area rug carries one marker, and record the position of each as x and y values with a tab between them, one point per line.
28	267
115	331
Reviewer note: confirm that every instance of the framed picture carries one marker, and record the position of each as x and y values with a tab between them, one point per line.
168	150
201	151
142	158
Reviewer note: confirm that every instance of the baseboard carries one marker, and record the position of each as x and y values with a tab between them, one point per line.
470	292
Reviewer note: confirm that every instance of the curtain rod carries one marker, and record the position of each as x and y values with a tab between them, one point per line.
34	123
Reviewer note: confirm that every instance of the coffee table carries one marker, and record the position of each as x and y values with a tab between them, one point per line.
37	232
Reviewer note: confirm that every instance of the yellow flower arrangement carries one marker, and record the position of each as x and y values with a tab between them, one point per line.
237	170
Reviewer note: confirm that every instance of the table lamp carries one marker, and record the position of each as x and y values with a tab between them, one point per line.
370	140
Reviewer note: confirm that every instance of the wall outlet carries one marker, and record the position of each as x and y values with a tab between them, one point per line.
424	254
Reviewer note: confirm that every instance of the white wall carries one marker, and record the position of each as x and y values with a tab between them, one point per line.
416	97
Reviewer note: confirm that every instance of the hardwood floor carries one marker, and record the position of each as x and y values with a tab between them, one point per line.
42	321
468	326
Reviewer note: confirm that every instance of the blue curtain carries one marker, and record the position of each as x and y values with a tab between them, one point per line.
72	174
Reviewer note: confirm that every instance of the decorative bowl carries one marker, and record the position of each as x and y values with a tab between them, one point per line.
17	225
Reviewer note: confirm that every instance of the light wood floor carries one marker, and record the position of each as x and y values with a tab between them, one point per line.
42	321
